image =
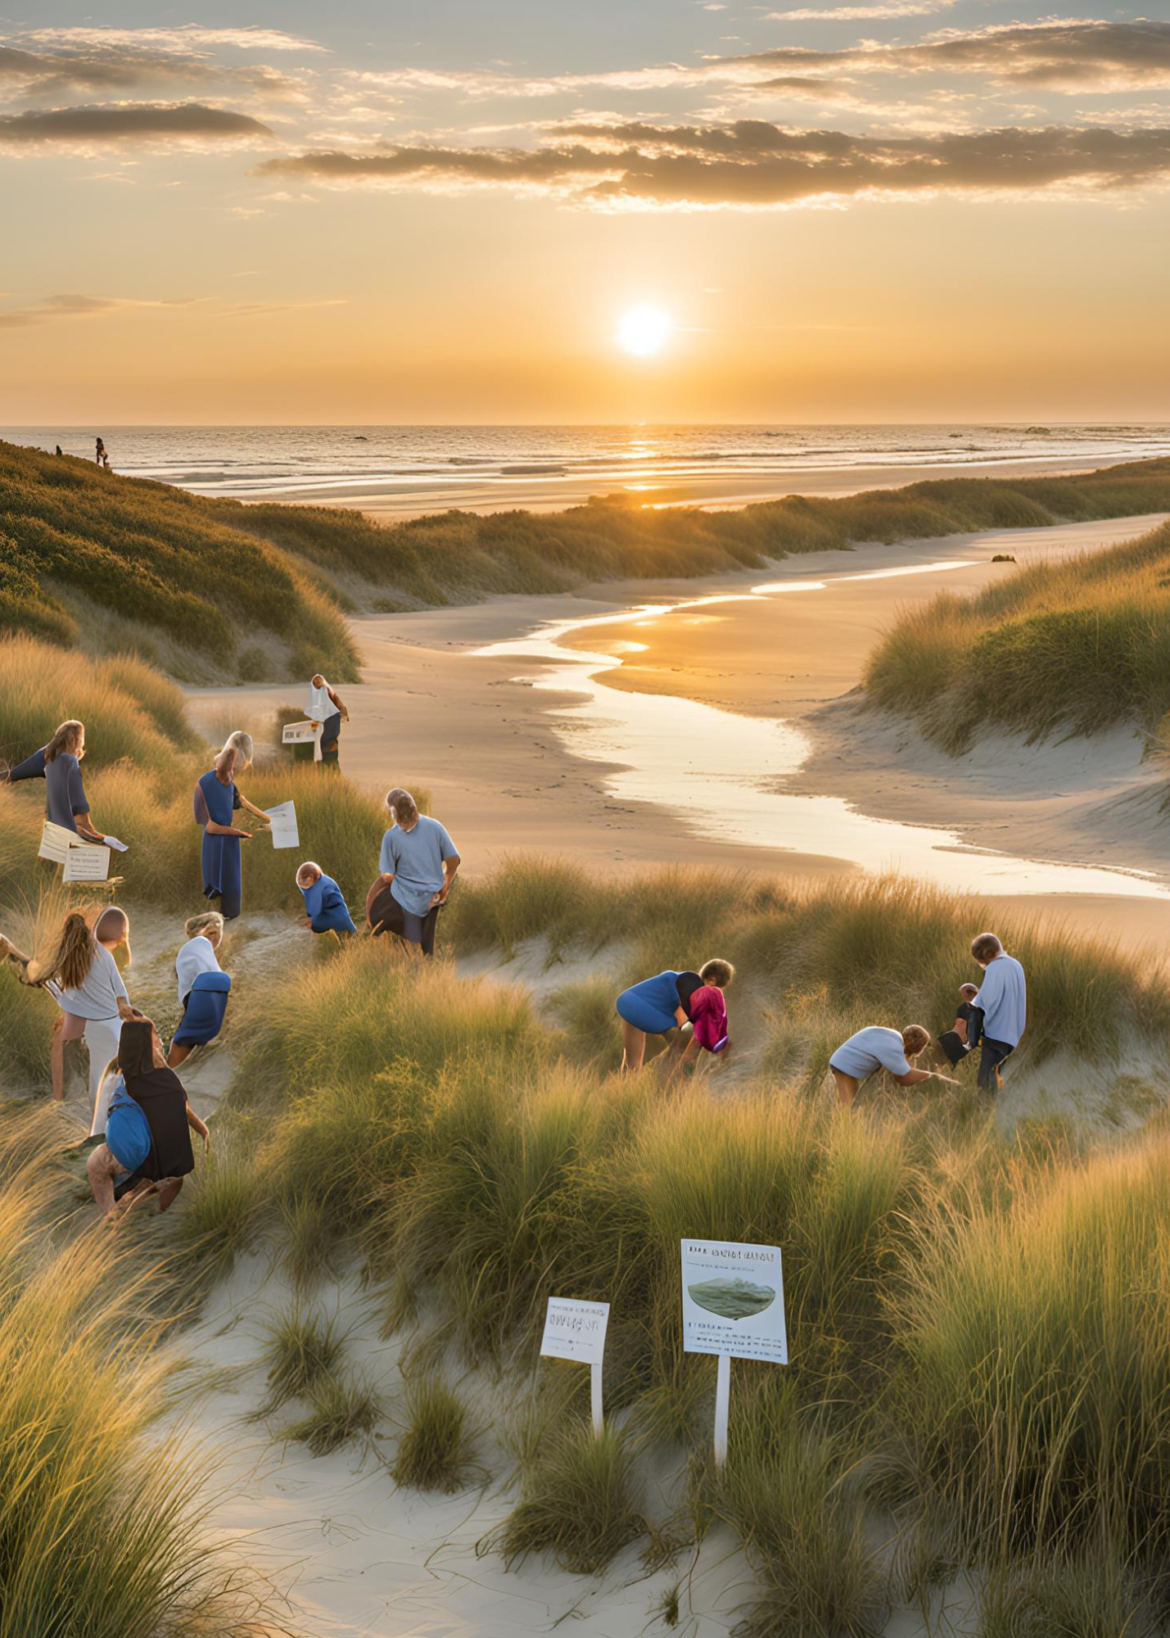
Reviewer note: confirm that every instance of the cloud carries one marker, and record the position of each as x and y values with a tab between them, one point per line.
60	72
860	14
51	308
1064	55
752	164
188	37
126	122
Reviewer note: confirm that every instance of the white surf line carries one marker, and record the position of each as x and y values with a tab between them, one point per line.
724	773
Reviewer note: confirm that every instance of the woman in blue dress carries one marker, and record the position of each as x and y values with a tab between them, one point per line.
216	801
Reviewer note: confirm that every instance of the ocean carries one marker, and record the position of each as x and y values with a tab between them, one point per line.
401	469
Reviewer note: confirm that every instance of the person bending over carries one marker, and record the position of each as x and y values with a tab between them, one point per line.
418	863
328	708
1000	1009
147	1147
203	986
83	978
325	908
669	1001
954	1041
876	1047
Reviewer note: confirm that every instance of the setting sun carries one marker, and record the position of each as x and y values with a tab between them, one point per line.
644	330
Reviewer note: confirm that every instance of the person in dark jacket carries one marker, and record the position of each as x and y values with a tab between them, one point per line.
147	1148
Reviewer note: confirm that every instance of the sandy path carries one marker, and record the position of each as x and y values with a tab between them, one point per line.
503	762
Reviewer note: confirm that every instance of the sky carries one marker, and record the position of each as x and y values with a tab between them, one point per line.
401	212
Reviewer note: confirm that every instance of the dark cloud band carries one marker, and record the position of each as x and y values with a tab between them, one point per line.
127	123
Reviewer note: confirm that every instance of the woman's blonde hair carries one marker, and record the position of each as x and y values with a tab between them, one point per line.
236	754
74	955
717	972
65	739
403	806
206	921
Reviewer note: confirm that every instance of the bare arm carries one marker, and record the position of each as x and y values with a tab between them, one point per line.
917	1075
214	829
253	809
450	868
86	828
9	952
338	702
197	1125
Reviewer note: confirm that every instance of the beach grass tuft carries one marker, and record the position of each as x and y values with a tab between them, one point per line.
579	1502
342	1410
437	1449
301	1350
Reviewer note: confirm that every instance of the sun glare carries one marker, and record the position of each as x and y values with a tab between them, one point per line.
644	330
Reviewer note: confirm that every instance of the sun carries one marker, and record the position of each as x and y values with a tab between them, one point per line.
644	330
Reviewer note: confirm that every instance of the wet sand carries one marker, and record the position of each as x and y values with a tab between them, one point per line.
501	757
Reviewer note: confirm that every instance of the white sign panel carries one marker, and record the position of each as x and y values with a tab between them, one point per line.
303	733
575	1330
86	864
284	825
733	1300
56	842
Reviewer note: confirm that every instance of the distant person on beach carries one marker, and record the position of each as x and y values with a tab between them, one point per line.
147	1147
325	908
216	800
101	455
418	863
999	1012
65	799
875	1048
83	978
59	450
669	1001
954	1040
203	986
326	707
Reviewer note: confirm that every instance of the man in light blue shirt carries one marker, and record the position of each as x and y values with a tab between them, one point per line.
419	861
876	1047
1003	999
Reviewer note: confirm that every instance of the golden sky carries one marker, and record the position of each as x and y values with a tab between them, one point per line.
900	210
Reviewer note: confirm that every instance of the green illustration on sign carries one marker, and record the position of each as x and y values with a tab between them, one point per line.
732	1299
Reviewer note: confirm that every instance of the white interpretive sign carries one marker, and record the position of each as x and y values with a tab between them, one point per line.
576	1330
733	1307
284	825
303	733
56	841
87	863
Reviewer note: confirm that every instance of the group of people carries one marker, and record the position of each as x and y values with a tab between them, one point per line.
991	1016
141	1116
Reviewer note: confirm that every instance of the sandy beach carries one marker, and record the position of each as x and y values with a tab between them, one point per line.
501	712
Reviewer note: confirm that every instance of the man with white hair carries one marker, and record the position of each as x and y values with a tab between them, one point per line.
1003	1001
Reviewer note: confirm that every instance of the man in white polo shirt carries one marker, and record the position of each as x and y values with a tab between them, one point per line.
1003	999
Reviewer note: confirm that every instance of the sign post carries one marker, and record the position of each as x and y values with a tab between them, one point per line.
576	1330
733	1307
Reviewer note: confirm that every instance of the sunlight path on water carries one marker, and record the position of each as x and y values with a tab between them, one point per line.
723	774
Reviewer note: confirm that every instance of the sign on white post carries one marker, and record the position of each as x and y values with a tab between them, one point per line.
87	863
284	825
301	733
576	1330
733	1307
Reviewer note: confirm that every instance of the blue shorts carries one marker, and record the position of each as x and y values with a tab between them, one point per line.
637	1008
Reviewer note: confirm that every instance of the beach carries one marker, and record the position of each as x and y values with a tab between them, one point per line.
562	724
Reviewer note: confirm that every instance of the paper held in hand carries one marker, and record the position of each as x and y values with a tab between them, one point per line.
576	1330
284	825
302	733
56	842
87	863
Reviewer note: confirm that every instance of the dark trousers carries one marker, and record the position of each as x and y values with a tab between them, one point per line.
992	1058
421	929
330	734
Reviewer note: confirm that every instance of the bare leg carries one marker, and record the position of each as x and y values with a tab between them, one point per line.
179	1053
101	1168
633	1048
57	1057
168	1191
846	1088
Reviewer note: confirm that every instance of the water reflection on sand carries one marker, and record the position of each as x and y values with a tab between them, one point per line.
724	773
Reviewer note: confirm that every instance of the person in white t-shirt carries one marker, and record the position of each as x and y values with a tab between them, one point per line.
874	1048
200	954
327	707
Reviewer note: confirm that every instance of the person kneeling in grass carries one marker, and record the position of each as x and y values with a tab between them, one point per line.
325	906
147	1147
954	1041
874	1048
670	1000
203	986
